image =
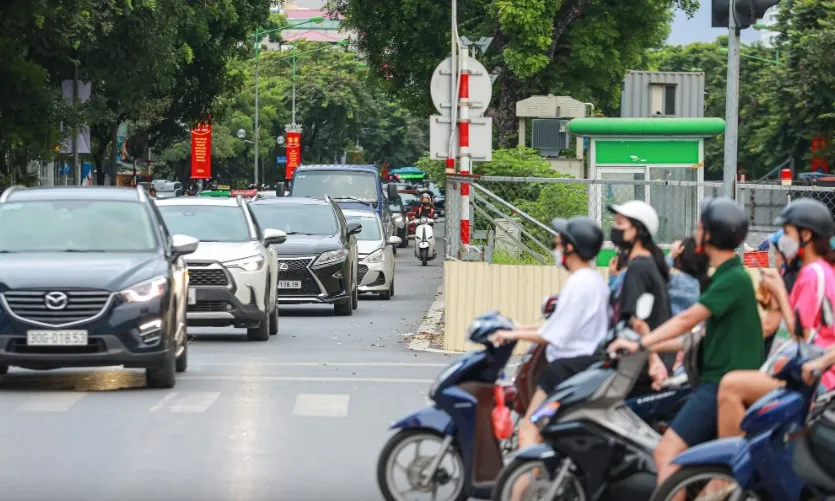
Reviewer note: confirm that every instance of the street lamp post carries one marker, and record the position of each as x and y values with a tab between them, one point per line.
256	39
294	57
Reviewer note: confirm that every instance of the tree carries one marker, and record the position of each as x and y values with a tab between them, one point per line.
580	48
709	58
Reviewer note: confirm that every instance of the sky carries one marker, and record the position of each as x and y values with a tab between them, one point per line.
698	28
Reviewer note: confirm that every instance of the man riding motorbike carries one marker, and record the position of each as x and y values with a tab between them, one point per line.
733	337
580	321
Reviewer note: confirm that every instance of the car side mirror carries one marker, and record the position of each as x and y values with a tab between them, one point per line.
354	228
392	190
395	240
183	244
274	237
280	189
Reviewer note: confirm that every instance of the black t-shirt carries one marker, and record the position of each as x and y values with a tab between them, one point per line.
642	275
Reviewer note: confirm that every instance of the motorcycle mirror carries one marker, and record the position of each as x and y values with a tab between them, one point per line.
643	307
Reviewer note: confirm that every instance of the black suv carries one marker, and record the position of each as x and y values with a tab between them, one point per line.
90	277
318	262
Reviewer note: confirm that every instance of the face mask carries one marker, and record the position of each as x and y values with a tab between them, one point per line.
557	253
788	247
618	239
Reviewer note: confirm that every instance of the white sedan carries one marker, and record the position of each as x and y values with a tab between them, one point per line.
376	256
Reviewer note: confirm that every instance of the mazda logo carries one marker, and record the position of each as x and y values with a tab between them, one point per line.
283	267
55	301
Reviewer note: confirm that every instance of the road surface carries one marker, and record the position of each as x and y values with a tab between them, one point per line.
300	417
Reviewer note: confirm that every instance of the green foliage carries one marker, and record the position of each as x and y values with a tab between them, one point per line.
580	48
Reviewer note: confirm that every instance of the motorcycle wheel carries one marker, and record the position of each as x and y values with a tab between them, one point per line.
424	256
693	479
503	488
388	467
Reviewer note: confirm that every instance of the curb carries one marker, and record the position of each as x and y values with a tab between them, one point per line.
431	326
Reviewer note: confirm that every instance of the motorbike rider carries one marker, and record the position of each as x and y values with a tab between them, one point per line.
152	192
635	225
733	338
426	208
579	323
805	243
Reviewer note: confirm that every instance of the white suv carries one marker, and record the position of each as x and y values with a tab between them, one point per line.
233	273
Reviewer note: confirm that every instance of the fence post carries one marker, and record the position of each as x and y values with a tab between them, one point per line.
452	240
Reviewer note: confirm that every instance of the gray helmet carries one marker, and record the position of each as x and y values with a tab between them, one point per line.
809	214
582	233
726	222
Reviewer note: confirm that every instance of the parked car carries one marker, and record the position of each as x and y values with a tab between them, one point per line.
376	253
91	277
233	273
351	186
400	219
318	262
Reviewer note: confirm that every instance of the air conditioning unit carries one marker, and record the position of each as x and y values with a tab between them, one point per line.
550	136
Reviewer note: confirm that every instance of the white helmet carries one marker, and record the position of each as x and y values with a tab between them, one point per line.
639	211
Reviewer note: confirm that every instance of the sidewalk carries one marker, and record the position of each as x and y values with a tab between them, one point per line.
430	335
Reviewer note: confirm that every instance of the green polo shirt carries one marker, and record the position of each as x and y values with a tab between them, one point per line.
733	333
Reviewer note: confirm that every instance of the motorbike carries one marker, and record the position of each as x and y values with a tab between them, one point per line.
814	454
425	239
757	465
596	445
454	442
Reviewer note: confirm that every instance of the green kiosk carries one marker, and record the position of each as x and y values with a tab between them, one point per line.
659	160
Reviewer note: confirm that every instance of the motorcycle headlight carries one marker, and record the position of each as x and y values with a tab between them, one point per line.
251	263
375	257
330	257
145	291
443	376
423	220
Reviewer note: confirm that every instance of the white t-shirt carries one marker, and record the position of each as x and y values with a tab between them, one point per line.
581	319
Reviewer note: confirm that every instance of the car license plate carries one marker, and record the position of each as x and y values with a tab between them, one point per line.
192	296
56	338
289	284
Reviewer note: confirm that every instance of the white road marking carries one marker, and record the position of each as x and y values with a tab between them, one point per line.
321	405
188	402
53	401
317	364
308	379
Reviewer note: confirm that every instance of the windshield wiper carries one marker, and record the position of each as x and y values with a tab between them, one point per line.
354	199
299	233
82	250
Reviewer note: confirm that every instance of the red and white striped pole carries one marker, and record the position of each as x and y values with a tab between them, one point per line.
464	143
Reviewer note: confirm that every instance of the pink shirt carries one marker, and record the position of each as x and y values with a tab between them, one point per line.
804	298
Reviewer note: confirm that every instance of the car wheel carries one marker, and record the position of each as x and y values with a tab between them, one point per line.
355	297
182	360
163	376
344	309
385	296
274	322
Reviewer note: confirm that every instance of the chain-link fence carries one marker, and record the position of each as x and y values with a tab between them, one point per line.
510	216
763	202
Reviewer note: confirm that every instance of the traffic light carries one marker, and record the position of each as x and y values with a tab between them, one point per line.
747	12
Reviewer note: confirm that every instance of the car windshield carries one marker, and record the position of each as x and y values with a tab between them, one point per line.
207	223
303	219
336	184
76	226
370	227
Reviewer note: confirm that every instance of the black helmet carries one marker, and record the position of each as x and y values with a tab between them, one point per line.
807	213
581	232
726	222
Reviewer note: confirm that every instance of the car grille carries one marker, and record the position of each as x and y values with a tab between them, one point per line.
207	277
361	271
80	306
297	269
209	306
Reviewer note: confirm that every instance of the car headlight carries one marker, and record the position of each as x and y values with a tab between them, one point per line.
145	291
375	257
330	257
251	263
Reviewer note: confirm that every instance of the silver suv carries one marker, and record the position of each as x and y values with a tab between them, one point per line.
233	273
